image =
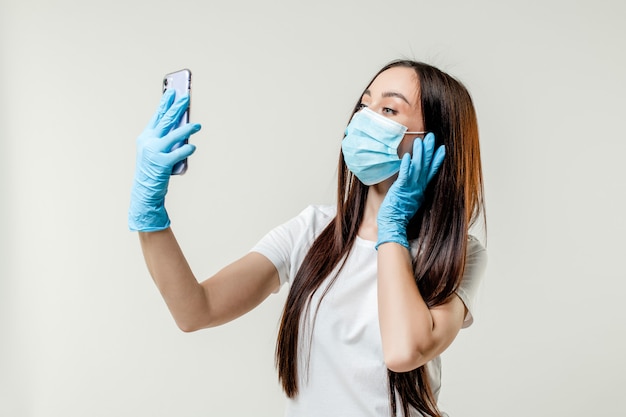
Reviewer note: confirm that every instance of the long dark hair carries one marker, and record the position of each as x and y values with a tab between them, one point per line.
453	202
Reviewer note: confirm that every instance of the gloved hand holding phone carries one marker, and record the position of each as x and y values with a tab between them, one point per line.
155	160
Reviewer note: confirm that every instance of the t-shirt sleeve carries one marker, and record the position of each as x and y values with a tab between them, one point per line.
287	245
475	264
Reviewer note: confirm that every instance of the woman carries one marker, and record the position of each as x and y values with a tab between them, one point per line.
381	284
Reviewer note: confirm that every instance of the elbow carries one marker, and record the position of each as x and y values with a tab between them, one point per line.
185	328
190	326
404	363
405	359
193	319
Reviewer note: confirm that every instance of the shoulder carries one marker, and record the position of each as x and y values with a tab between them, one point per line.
287	244
475	264
300	230
476	251
319	211
474	244
315	217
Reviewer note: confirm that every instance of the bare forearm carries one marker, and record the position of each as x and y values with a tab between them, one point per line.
171	273
412	334
406	323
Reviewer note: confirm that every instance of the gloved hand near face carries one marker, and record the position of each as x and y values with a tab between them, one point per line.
155	160
406	194
370	150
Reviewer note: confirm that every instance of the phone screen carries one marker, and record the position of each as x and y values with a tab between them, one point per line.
180	81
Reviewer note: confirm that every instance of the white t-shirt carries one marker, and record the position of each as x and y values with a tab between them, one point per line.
346	375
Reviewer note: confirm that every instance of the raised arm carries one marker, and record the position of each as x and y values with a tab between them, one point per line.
231	292
412	334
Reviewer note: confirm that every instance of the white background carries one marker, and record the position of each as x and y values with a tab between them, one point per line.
84	331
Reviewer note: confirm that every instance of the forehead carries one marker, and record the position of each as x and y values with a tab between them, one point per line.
397	79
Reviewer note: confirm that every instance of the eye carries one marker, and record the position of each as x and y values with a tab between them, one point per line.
360	106
389	112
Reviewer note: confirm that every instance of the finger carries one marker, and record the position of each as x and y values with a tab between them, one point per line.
437	161
172	116
405	169
418	157
178	154
429	147
166	102
178	135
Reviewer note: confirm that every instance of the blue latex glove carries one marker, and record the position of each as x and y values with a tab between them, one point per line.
155	159
406	194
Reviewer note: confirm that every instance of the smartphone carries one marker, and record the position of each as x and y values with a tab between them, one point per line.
180	81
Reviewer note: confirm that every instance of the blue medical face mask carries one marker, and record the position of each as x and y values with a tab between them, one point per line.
370	148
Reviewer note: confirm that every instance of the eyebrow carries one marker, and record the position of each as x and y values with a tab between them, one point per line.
389	94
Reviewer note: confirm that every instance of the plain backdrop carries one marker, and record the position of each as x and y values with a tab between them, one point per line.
84	331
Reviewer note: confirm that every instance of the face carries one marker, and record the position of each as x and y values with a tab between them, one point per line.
394	93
